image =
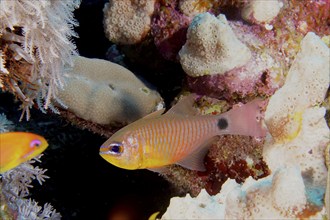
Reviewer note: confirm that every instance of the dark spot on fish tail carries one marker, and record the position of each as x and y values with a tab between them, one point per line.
222	123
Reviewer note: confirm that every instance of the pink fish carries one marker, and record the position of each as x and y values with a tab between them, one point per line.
180	136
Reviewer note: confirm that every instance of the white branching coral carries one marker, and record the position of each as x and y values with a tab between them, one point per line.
35	45
14	188
5	124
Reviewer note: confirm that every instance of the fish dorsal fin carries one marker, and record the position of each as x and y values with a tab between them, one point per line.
183	107
195	160
155	114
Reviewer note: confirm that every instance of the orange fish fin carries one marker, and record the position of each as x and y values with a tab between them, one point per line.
195	160
159	170
154	114
184	107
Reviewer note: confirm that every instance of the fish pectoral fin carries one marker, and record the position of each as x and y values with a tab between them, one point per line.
184	107
160	170
153	216
195	160
155	114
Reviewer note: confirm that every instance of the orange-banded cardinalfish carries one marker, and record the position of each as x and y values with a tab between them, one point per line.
179	136
19	147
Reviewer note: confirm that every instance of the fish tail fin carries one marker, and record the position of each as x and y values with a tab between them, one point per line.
243	120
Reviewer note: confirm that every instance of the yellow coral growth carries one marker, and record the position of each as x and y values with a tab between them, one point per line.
296	119
286	128
305	86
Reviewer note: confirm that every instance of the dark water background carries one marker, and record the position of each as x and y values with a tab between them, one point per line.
82	185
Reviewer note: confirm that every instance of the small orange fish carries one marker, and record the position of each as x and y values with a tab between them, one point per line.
19	147
179	136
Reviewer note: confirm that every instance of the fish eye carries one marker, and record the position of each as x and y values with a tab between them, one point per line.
35	143
116	148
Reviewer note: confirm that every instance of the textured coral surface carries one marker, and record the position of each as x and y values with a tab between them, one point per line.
294	151
127	21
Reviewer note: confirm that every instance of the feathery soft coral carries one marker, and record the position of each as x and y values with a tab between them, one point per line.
35	48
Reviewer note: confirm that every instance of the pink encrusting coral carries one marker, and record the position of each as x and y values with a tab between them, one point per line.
237	83
169	28
273	48
295	19
260	74
172	18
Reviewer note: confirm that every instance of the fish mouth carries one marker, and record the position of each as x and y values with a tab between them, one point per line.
104	149
27	155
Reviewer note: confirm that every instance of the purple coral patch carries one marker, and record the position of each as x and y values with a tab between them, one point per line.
232	85
169	28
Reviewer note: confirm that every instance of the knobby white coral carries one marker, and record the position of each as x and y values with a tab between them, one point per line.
261	11
212	47
35	44
14	187
127	21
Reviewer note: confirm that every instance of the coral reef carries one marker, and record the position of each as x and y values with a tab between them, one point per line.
168	29
295	20
127	21
35	44
301	146
191	8
294	109
305	87
203	206
106	93
261	12
266	197
261	75
169	21
212	47
228	52
327	189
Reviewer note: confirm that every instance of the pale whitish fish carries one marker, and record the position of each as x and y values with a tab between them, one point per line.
180	136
